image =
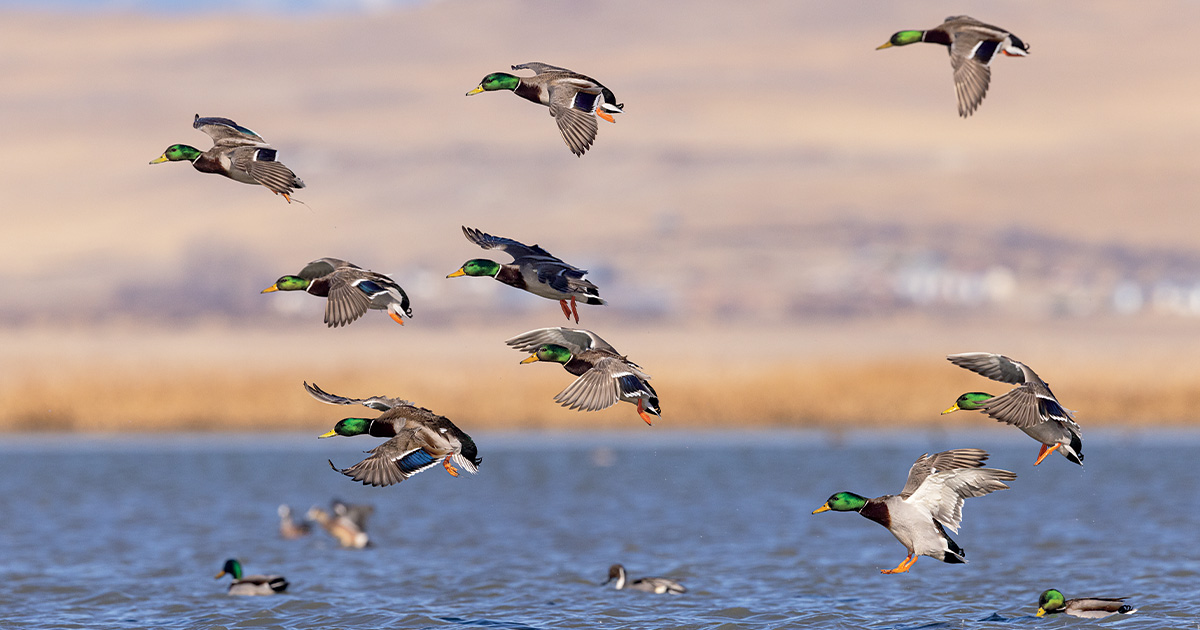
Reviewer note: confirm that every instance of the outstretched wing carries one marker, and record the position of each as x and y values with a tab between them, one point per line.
577	126
598	388
940	462
994	366
516	249
380	403
574	339
260	164
943	493
539	68
225	132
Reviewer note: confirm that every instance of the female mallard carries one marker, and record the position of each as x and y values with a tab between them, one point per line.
1031	407
605	376
420	439
931	501
533	269
347	531
657	585
972	45
237	153
573	99
1052	601
288	527
251	584
351	290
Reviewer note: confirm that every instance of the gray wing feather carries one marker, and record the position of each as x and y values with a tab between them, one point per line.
275	176
321	267
380	403
971	79
994	366
595	390
1018	407
578	128
516	249
225	132
943	493
574	339
538	67
941	462
346	302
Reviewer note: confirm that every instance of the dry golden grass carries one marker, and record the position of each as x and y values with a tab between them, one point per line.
799	395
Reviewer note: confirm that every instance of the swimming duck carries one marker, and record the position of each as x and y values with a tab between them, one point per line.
572	98
289	528
237	153
533	269
344	530
251	584
1031	407
931	501
605	376
420	439
972	45
648	584
1052	601
358	513
351	290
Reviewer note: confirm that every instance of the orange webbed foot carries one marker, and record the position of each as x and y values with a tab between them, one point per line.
396	317
1046	450
902	567
566	309
642	412
605	115
449	467
574	309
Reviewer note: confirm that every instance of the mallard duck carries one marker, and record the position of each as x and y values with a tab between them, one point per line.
237	153
972	46
605	376
420	439
1031	407
648	584
533	269
572	98
289	528
932	500
251	584
343	529
351	290
1052	601
358	513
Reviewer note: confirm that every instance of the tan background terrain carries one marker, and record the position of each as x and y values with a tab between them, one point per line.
791	227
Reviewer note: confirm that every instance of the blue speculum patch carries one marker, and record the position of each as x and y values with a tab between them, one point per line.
415	461
585	101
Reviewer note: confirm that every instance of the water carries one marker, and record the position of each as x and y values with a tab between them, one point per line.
128	532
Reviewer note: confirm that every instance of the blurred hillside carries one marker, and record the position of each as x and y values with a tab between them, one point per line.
774	181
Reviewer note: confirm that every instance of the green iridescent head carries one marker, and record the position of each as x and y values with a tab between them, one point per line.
349	427
550	352
496	81
177	153
232	567
477	267
1050	601
843	502
287	283
970	401
903	38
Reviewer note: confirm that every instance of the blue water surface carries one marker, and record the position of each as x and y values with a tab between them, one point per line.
129	531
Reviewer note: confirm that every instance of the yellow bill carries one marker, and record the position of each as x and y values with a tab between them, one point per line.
887	45
458	273
530	359
823	508
476	90
270	289
951	410
160	159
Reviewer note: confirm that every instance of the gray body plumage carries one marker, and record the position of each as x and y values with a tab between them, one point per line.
658	585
